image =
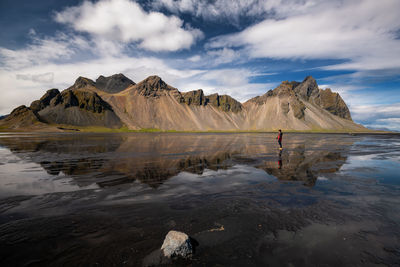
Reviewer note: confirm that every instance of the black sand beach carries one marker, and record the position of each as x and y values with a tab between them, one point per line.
109	199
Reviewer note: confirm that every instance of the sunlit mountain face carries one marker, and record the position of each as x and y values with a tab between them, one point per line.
119	104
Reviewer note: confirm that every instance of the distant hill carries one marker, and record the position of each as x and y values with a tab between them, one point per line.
117	101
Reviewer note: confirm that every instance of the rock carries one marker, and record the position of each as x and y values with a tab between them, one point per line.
20	117
308	91
298	107
85	100
333	103
326	99
227	103
80	108
222	102
285	107
82	82
153	103
284	89
114	83
153	86
307	88
177	244
44	101
193	98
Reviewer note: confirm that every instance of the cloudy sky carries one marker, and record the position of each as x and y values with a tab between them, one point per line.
242	48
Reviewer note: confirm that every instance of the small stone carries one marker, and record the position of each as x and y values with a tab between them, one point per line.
177	244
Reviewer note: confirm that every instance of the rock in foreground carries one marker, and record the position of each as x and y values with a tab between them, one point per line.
177	244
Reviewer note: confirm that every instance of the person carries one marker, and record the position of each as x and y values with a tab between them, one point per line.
279	137
280	160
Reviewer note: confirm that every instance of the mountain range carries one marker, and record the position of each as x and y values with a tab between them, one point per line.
116	101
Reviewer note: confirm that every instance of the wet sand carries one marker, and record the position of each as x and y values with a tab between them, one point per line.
110	199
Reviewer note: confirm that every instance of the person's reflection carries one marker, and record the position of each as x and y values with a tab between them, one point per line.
280	160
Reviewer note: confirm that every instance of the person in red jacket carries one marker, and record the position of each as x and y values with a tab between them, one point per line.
279	137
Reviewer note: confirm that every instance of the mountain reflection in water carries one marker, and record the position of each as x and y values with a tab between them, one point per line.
114	159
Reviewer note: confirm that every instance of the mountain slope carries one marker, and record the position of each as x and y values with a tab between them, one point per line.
20	117
154	104
116	100
299	106
72	106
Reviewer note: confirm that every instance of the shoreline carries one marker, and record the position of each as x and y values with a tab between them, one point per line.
125	130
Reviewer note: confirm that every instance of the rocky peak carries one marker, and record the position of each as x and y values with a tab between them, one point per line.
333	103
153	86
82	82
19	110
44	101
307	88
326	99
21	116
114	83
286	88
155	82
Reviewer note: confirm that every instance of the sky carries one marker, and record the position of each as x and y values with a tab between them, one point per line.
241	48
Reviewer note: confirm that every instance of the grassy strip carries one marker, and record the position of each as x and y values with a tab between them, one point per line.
155	130
124	129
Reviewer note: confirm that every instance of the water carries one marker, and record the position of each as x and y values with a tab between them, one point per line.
110	199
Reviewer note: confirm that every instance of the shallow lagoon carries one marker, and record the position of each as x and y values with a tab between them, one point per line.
110	199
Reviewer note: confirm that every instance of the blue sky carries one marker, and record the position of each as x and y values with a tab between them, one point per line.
240	48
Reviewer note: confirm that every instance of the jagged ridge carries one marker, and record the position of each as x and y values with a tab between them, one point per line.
223	102
116	100
308	90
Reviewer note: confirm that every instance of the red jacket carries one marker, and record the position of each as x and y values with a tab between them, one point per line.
279	137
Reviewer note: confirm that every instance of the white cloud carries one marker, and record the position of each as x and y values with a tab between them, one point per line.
224	55
126	21
61	46
195	58
41	78
213	58
361	32
229	11
390	120
378	116
374	112
387	123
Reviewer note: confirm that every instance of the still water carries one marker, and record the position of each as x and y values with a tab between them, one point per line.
110	199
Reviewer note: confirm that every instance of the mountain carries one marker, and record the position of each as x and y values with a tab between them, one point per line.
21	117
117	101
113	84
73	106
